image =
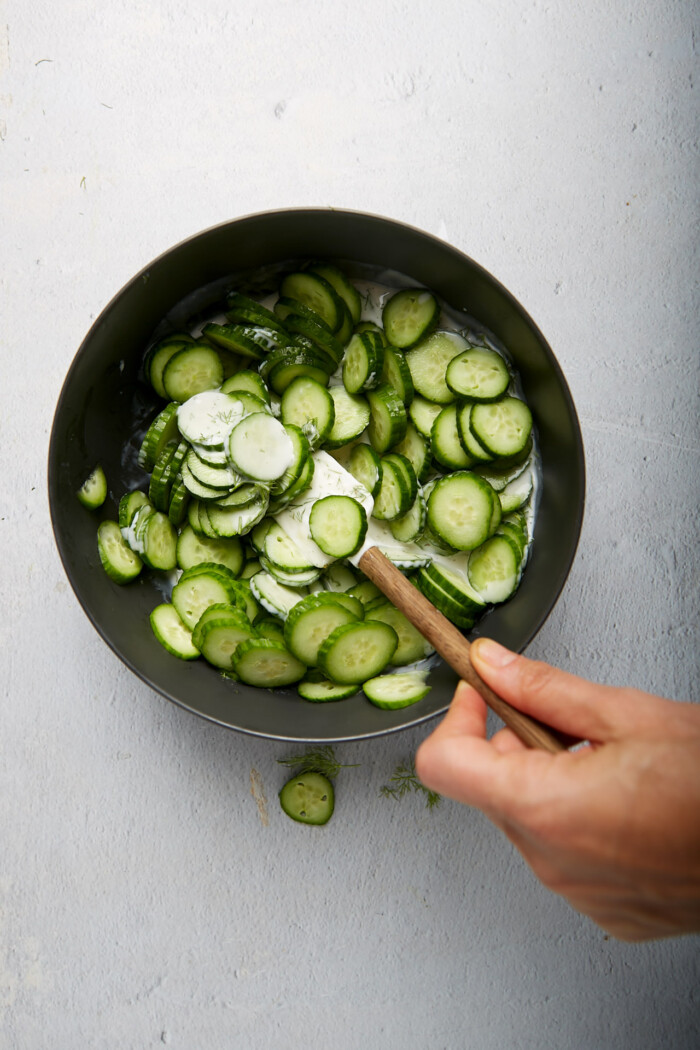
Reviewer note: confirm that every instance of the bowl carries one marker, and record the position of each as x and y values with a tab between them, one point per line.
104	405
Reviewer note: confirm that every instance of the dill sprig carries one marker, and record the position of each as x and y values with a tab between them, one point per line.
404	780
317	760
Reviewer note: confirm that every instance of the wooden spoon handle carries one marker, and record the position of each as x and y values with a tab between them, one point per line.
453	647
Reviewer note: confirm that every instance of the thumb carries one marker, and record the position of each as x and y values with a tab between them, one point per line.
558	699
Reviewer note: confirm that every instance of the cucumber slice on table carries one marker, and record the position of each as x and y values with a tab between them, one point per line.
409	316
308	798
93	491
118	560
392	691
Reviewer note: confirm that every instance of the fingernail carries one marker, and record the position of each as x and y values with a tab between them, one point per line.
492	653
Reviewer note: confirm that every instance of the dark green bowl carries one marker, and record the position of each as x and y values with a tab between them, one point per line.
103	405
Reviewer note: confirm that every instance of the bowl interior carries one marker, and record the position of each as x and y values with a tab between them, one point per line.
104	408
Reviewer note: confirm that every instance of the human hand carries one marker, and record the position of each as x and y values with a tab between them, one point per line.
613	827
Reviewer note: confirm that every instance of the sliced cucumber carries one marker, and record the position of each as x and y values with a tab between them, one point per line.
365	465
394	498
322	690
172	633
393	691
445	442
162	430
195	591
157	358
494	569
517	492
159	542
260	447
338	525
356	651
503	427
345	289
190	371
273	596
387	424
460	510
416	450
129	504
306	403
397	374
351	417
93	491
207	419
428	362
412	646
310	622
118	560
423	414
410	526
308	798
221	637
478	374
219	611
362	363
238	339
266	663
409	316
247	382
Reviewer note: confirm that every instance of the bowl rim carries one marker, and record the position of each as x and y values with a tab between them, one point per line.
140	276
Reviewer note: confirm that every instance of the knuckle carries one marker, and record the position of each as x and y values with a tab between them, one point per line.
537	679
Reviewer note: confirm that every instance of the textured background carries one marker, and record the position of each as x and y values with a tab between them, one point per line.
145	898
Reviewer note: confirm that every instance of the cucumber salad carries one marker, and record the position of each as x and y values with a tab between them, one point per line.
297	430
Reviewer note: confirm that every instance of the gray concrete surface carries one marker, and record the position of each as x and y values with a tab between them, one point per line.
145	899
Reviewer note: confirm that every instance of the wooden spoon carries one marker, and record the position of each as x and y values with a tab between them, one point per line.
453	647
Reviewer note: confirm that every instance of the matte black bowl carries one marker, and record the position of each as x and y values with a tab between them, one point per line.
104	407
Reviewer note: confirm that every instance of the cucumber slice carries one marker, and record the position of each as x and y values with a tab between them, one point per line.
310	622
238	339
454	581
517	492
478	374
409	316
392	691
280	549
295	363
394	498
195	591
221	637
348	601
247	382
317	338
218	476
159	542
219	611
362	363
307	404
230	521
118	560
162	430
178	503
460	510
338	525
351	417
397	374
290	579
172	633
339	577
315	293
354	652
266	663
308	798
428	363
286	307
345	289
412	646
494	569
322	690
190	371
129	504
269	627
93	491
460	615
240	309
260	447
366	592
207	419
274	596
423	414
416	450
387	424
157	358
445	442
470	443
502	427
410	526
365	465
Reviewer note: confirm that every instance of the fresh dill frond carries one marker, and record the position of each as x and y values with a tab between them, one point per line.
404	781
317	760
